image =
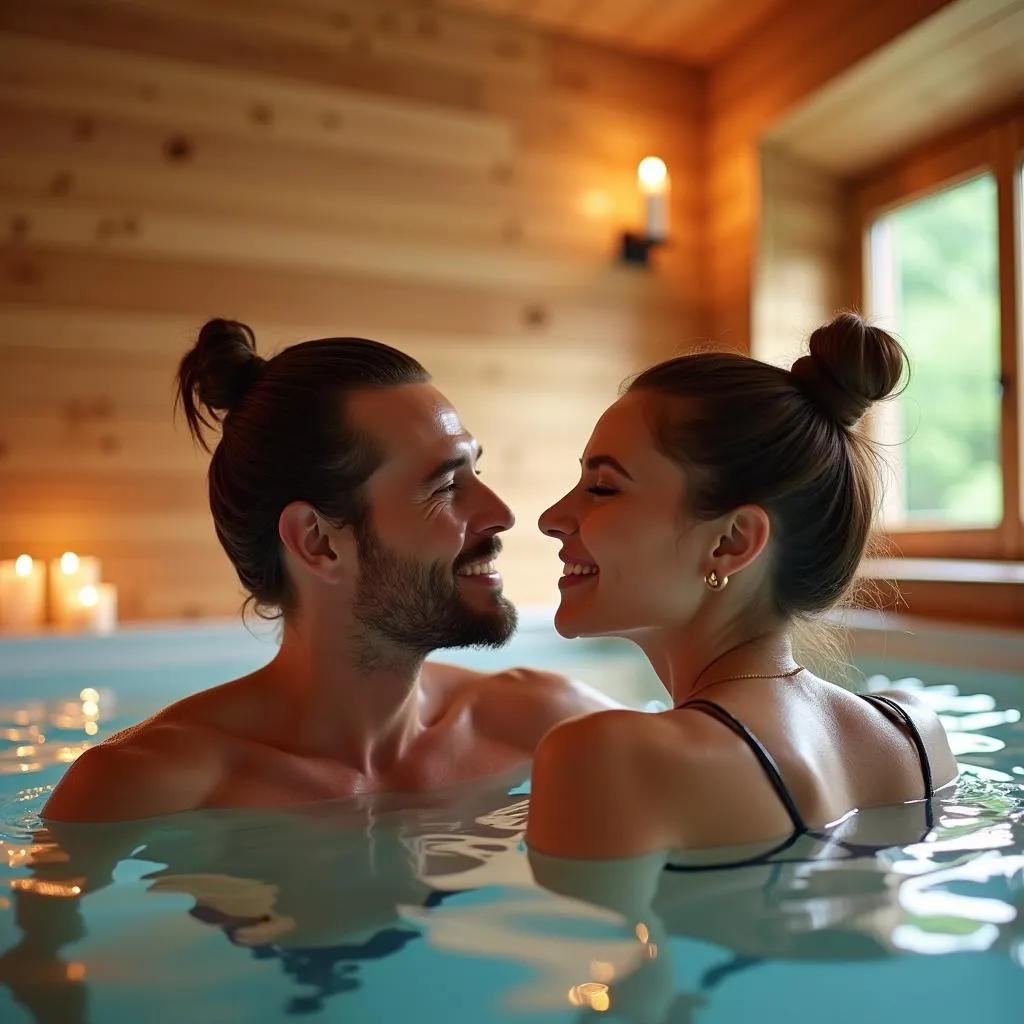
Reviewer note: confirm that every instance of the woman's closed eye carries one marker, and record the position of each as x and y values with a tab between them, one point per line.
601	491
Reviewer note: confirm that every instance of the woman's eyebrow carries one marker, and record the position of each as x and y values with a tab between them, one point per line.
596	461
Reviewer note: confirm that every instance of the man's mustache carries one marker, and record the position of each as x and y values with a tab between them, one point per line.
483	552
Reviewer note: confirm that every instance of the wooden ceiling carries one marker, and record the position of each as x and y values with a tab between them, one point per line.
951	69
695	31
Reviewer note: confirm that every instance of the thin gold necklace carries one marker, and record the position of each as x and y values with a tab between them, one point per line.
751	675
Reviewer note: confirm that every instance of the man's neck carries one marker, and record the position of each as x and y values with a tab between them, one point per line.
341	704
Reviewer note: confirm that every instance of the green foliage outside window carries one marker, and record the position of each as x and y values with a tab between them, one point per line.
947	314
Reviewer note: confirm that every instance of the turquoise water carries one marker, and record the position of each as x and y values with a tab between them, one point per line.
379	911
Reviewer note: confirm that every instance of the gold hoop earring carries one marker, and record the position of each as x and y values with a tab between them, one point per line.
716	582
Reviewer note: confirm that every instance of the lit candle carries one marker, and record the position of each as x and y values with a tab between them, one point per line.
93	609
68	575
22	594
654	184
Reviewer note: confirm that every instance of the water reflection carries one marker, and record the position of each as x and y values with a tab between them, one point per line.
321	895
36	735
936	895
315	888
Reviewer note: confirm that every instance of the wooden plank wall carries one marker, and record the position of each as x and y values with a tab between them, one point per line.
436	180
804	254
804	45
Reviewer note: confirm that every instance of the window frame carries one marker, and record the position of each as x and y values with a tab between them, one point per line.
994	145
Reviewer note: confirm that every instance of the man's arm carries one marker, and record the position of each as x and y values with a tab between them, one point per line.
163	769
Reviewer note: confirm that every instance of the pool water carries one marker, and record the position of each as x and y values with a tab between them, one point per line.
428	910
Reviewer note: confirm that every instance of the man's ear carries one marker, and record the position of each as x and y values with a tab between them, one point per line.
743	537
320	547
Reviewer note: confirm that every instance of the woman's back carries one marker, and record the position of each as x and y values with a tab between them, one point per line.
773	760
768	765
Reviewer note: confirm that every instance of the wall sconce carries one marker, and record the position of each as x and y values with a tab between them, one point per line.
652	177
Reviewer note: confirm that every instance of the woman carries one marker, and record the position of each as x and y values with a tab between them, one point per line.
721	501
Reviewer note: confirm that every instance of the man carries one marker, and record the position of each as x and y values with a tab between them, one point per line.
346	492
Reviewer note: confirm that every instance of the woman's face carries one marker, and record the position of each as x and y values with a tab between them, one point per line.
634	560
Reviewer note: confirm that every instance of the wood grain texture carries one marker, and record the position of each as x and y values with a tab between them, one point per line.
804	256
699	32
431	178
450	180
958	67
802	47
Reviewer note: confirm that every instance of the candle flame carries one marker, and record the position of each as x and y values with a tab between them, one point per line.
69	562
23	565
652	173
89	597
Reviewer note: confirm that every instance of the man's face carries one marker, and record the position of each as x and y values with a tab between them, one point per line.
426	573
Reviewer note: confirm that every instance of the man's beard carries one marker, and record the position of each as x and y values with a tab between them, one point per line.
417	608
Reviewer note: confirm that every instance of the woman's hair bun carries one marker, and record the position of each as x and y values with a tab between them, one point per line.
851	365
217	373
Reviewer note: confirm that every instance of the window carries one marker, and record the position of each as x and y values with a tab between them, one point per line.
942	270
935	283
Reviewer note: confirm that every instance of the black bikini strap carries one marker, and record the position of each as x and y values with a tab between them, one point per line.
771	769
922	752
748	862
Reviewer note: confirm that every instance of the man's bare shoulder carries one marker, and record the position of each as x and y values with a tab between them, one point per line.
523	702
159	767
563	694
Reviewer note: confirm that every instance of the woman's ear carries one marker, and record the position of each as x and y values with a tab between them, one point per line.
743	537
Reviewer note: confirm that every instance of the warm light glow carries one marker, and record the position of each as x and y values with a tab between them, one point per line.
17	855
91	728
69	563
89	694
26	751
652	173
89	597
75	971
68	754
23	565
42	888
602	971
642	933
591	994
90	708
596	203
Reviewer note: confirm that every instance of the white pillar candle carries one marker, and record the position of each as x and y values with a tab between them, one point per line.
93	609
68	575
652	175
22	594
